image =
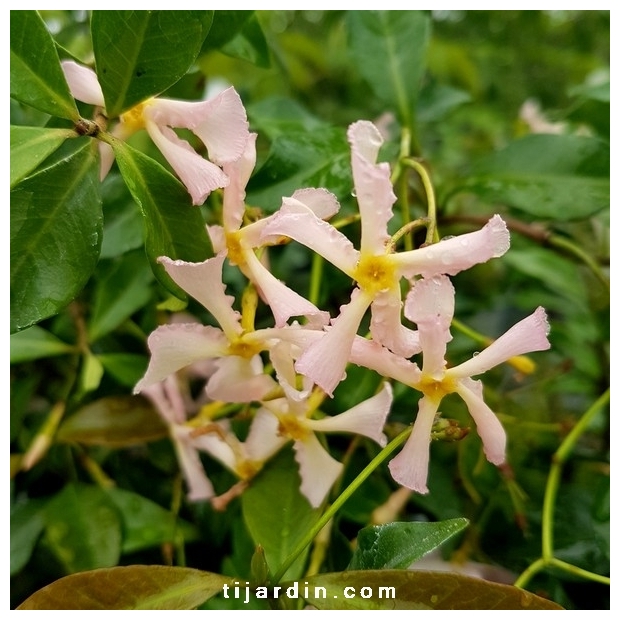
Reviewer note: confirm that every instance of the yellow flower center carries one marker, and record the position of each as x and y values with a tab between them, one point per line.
243	349
292	426
134	119
375	273
247	469
436	389
235	249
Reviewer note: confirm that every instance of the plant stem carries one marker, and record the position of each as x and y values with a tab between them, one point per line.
339	502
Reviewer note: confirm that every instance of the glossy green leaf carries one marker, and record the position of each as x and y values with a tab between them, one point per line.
389	49
27	523
130	587
36	76
275	492
30	146
402	589
398	545
174	228
548	176
114	421
56	225
91	373
146	524
36	343
319	158
139	54
226	24
123	289
249	44
83	528
126	368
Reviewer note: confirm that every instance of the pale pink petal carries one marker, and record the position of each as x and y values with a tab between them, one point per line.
167	399
239	380
430	304
203	281
367	418
325	360
320	201
282	356
175	346
239	172
372	355
214	444
410	466
106	159
83	83
373	187
217	235
453	255
487	425
311	231
526	336
199	175
317	468
199	486
386	326
284	302
263	439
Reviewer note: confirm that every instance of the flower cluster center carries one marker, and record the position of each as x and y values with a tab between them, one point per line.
375	273
134	119
436	389
247	350
292	426
235	249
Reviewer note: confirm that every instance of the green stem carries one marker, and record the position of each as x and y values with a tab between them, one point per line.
316	275
562	243
430	197
339	502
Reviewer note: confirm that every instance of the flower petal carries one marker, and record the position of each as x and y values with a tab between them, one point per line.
263	439
450	256
317	468
83	83
487	425
430	304
175	346
167	398
203	281
299	223
325	360
239	380
367	418
386	327
199	175
199	486
373	187
526	336
410	466
238	172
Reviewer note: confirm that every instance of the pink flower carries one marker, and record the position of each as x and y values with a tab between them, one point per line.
375	268
430	304
220	123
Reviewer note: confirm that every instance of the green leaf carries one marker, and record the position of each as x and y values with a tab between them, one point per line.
30	146
27	523
146	524
226	24
548	176
174	228
320	158
56	225
35	343
36	76
126	368
114	421
123	289
275	492
139	54
403	589
398	545
249	44
389	48
83	528
130	587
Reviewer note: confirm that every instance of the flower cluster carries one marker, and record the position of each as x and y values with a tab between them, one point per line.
280	375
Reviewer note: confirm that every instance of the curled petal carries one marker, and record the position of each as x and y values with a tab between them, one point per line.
367	418
487	425
167	399
175	346
238	171
203	281
284	302
410	466
83	83
386	327
106	158
450	256
526	336
318	470
263	439
320	201
373	187
199	175
325	360
305	227
282	355
216	444
238	380
217	235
